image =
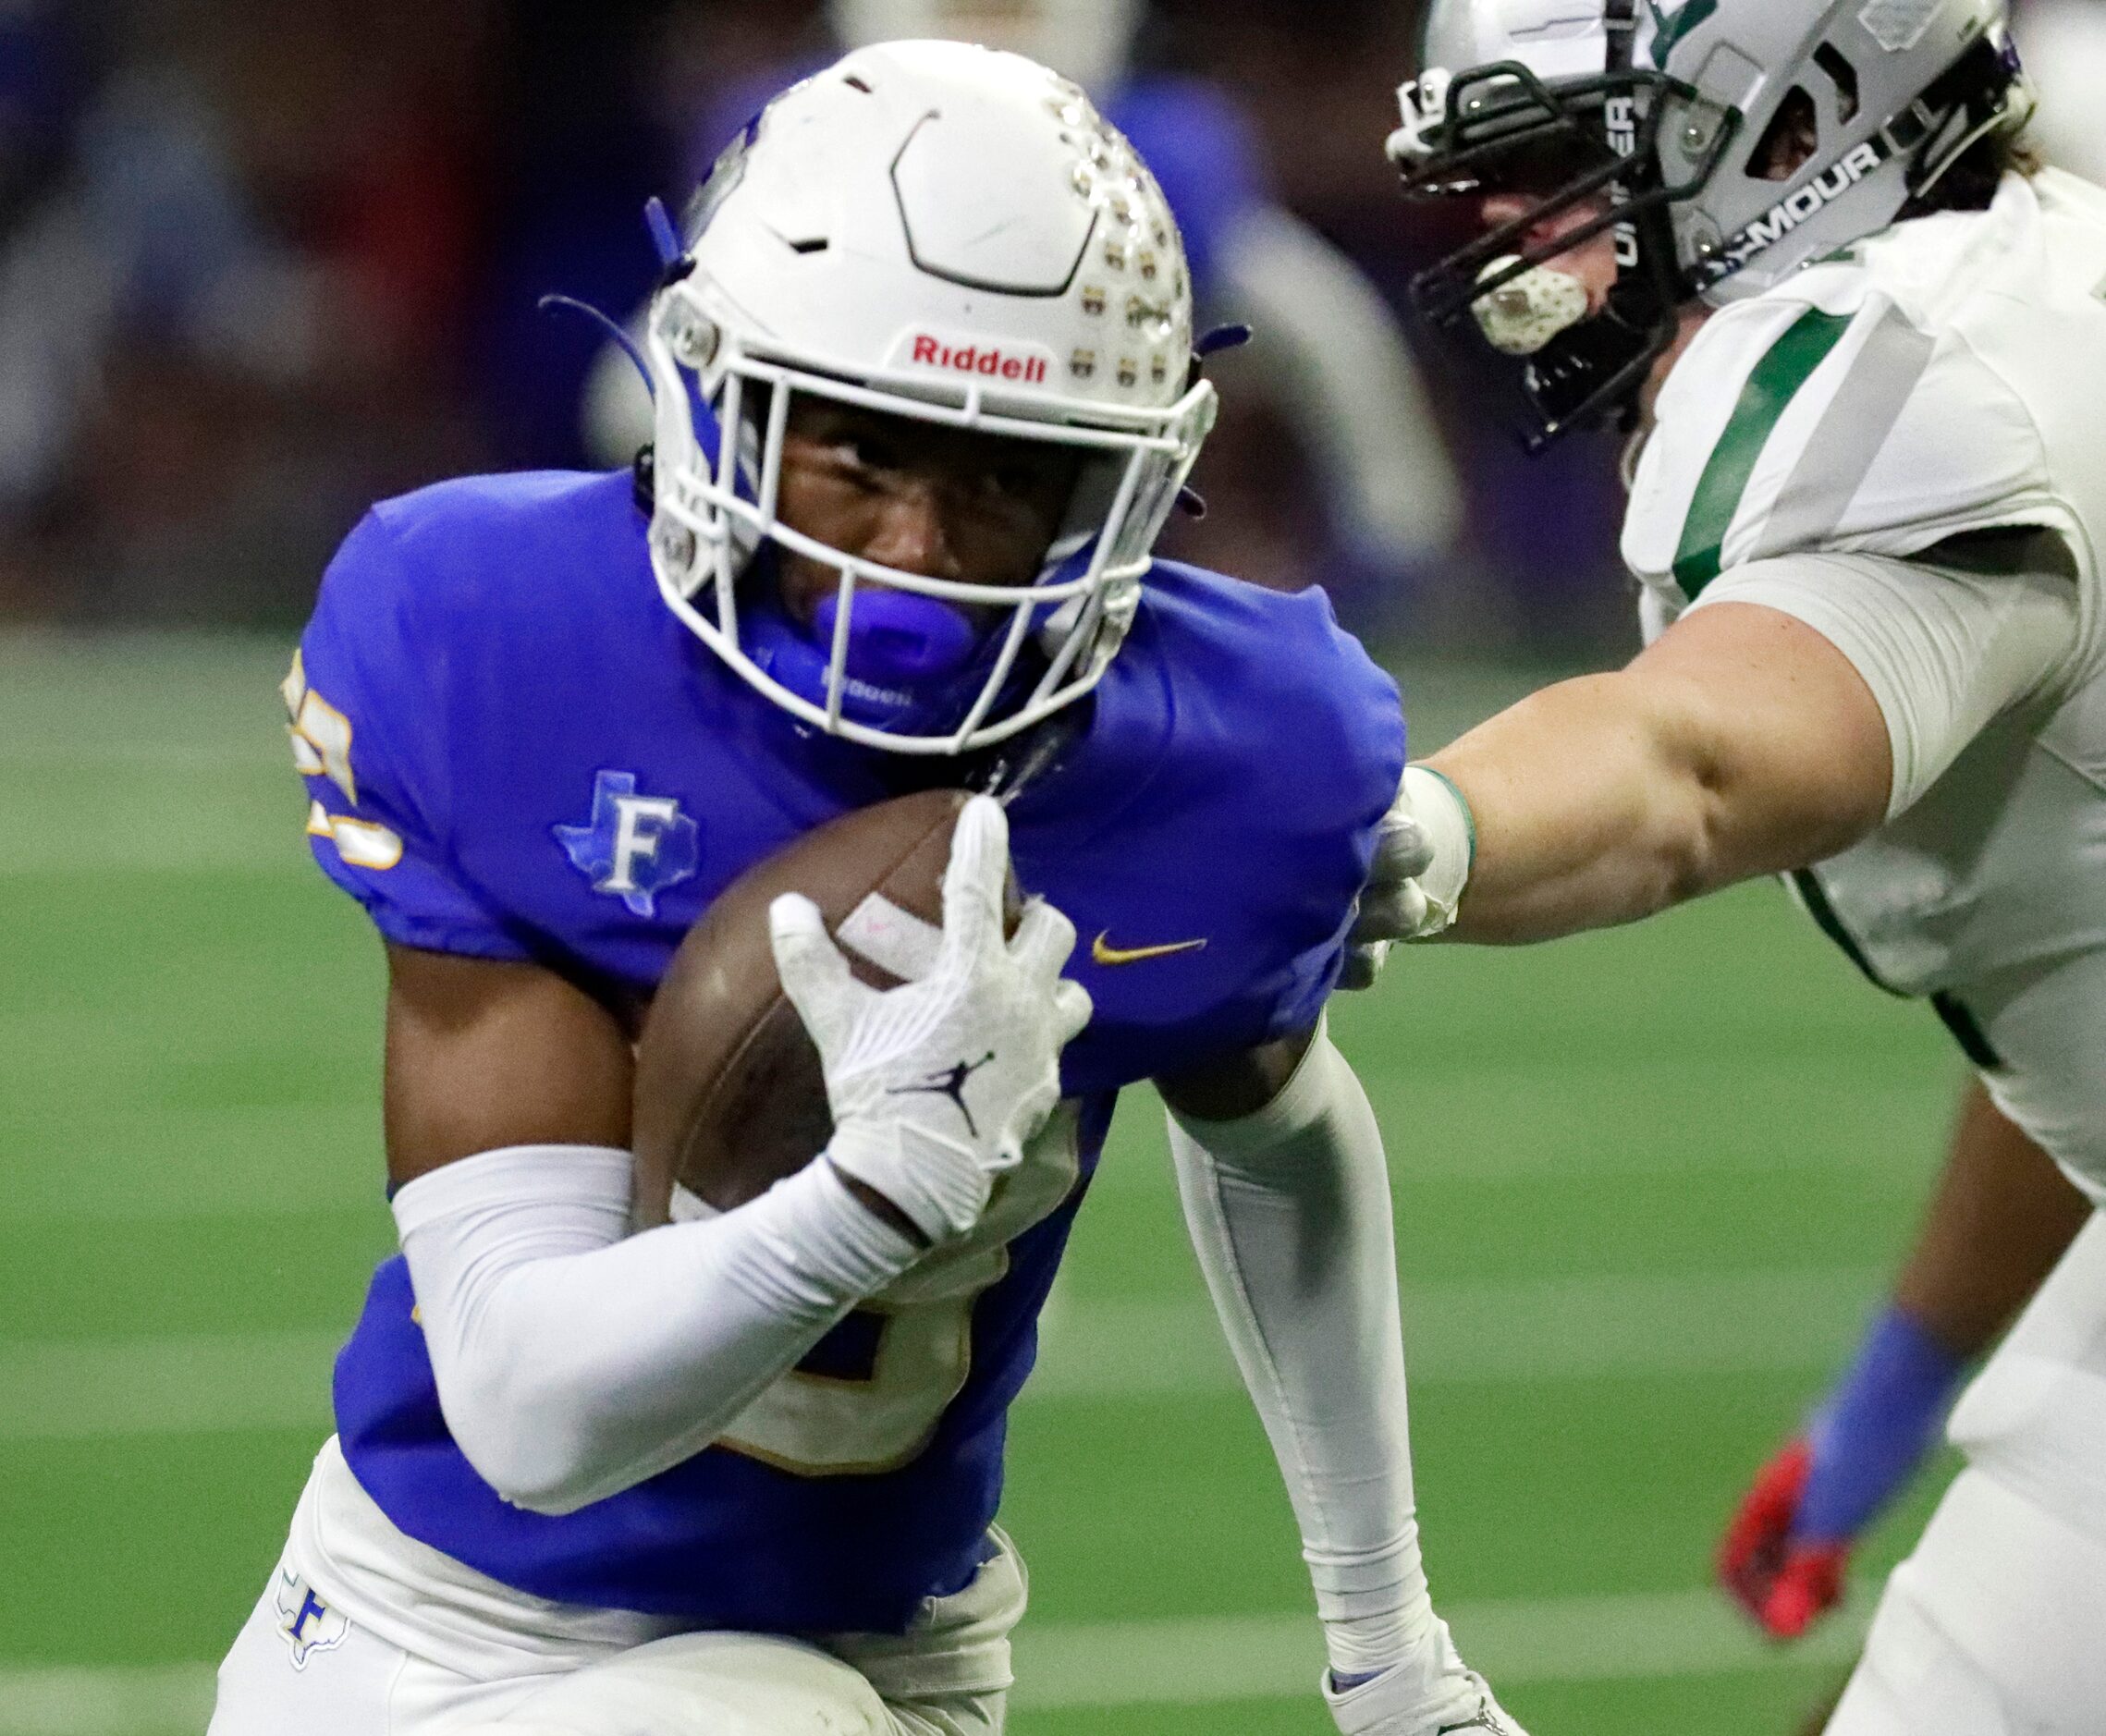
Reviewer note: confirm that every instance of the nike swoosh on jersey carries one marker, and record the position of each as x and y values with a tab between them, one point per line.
1103	952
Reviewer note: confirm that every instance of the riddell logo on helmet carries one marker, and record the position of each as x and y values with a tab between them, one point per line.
989	361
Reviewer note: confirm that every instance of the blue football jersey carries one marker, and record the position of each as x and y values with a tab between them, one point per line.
514	752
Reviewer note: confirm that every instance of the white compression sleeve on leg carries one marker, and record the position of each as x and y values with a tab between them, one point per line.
1288	1210
574	1361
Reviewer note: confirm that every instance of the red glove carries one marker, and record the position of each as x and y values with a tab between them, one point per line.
1784	1585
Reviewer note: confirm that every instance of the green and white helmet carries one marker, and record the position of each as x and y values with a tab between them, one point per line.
1727	142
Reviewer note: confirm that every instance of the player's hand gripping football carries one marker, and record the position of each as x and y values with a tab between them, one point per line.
937	1086
1424	849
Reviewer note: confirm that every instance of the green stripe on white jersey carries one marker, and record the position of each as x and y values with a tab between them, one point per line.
1774	383
1939	379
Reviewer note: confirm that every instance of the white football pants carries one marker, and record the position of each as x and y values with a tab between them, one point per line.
697	1684
464	1657
1996	1625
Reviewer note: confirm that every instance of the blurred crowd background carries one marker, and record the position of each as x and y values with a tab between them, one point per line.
260	264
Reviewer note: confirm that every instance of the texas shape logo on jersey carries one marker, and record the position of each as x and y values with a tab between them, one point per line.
634	847
308	1624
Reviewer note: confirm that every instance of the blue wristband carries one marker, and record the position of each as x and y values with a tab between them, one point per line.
1875	1428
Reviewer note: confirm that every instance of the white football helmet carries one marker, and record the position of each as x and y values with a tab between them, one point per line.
1088	41
1728	142
950	234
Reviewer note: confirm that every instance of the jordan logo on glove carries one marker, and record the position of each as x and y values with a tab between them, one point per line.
950	1084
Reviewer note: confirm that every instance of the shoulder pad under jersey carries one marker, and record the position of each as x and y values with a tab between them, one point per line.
1244	752
1826	416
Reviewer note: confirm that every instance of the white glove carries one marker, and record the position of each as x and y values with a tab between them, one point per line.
1432	1698
1424	851
937	1086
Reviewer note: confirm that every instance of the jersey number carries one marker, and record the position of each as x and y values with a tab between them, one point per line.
817	1425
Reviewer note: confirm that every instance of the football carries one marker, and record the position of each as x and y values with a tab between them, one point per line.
729	1095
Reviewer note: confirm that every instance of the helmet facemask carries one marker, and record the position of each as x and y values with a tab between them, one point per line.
718	535
941	236
1588	142
1678	143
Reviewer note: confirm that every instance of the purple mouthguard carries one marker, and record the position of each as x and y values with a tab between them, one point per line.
896	638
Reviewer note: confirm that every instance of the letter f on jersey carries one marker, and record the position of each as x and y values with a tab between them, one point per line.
634	847
308	1624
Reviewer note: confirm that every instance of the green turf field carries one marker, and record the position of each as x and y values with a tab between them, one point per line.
1647	1185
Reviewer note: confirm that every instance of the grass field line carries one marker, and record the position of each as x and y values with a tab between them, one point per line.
1514	1641
157	1701
1064	1666
1094	1351
1475	1334
231	1161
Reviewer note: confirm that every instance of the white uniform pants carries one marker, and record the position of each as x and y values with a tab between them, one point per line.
1996	1625
701	1684
362	1632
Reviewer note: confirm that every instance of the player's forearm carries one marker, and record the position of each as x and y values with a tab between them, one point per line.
1290	1213
2003	1217
1741	743
573	1361
1590	811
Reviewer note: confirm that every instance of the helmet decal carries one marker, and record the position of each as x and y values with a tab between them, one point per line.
1899	25
1670	29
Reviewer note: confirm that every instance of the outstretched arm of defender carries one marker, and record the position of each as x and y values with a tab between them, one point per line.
1741	743
1800	704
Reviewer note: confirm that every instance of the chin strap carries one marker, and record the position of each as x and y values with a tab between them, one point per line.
1019	764
665	237
608	325
1619	20
1222	338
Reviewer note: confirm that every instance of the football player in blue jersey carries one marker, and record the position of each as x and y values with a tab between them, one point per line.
925	396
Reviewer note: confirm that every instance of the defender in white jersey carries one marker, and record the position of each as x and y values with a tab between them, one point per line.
1863	341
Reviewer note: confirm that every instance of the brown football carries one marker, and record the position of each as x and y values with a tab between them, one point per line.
730	1096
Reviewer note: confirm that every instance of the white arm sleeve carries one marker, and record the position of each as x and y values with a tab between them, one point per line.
574	1361
1290	1212
1943	651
